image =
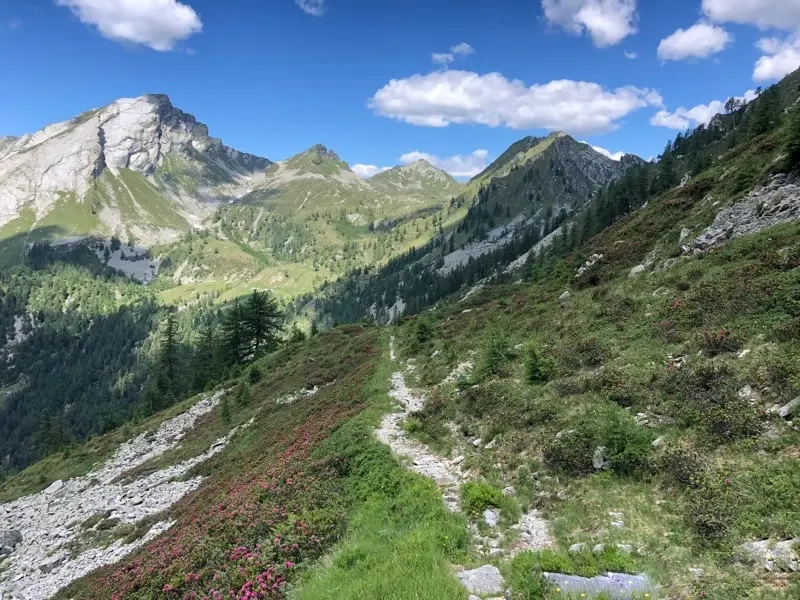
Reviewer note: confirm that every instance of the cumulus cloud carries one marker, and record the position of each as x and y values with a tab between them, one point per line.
441	98
699	41
608	22
631	55
780	58
457	51
367	171
683	118
157	24
616	156
765	14
458	165
315	8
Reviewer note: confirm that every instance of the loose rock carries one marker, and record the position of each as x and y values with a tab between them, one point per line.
483	580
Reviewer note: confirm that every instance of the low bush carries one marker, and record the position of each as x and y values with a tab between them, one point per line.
627	447
718	342
477	496
496	353
538	367
705	396
616	386
712	505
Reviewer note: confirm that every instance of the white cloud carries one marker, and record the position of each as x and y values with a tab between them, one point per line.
683	118
441	98
608	22
158	24
780	58
457	51
631	55
616	156
765	14
367	171
315	8
699	41
458	165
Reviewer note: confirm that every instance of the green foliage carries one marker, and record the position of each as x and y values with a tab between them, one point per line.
254	374
225	409
626	445
538	368
496	353
243	394
705	396
527	582
477	496
718	342
792	143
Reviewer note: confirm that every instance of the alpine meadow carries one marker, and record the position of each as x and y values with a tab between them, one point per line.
535	370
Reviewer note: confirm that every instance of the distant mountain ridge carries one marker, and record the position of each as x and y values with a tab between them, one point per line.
146	172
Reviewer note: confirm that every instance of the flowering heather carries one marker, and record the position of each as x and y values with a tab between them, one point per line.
269	506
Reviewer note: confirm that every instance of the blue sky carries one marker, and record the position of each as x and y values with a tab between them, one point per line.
273	77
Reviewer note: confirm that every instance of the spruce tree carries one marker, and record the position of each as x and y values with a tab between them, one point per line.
792	145
168	375
263	322
234	342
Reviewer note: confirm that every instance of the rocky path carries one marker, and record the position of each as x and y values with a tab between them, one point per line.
446	474
533	532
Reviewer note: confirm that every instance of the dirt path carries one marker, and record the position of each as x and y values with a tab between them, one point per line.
533	530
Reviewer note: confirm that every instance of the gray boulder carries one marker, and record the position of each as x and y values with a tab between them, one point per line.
637	270
491	516
790	409
483	580
600	459
52	564
615	586
10	539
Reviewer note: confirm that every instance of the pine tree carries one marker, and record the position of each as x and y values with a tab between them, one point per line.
235	344
263	322
793	139
168	375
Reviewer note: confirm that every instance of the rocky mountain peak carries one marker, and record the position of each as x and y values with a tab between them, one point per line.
323	153
138	134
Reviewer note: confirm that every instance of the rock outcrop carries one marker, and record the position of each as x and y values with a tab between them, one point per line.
766	206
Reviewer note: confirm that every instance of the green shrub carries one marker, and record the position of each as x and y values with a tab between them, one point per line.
718	342
477	496
616	387
538	368
496	353
243	394
705	396
711	510
254	375
526	580
627	446
572	451
412	425
712	506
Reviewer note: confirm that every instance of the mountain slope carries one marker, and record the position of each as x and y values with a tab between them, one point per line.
313	207
138	168
500	214
642	405
419	180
